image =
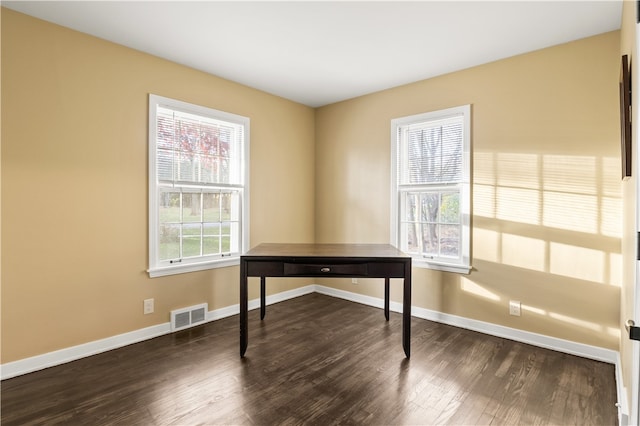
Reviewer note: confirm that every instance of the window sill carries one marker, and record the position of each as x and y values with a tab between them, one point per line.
162	271
447	267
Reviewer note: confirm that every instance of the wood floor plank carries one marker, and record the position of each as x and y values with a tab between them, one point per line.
317	360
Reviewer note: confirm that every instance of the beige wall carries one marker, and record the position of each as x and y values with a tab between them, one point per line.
629	240
74	186
546	188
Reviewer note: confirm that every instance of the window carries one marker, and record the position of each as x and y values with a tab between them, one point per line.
430	210
198	187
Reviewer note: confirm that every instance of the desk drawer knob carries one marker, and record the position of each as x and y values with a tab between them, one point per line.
325	270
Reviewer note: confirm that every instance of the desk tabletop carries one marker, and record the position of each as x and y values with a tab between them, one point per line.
326	250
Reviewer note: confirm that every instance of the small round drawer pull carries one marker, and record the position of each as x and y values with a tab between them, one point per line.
325	269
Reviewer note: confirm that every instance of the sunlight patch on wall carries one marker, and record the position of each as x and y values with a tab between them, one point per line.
575	321
571	174
517	194
611	217
484	197
548	208
575	193
484	186
518	205
473	288
484	171
615	332
518	170
533	310
574	212
580	323
610	179
615	269
486	245
589	325
577	262
524	252
570	200
611	202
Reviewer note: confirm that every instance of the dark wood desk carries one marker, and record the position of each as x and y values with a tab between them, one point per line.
325	261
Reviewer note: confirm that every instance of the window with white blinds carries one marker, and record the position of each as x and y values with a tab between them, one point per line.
430	188
198	192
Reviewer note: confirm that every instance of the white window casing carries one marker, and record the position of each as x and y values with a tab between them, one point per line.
198	187
430	188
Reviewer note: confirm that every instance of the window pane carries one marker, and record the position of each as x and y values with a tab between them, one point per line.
429	206
430	239
191	205
411	206
203	223
432	152
165	164
210	143
211	238
198	148
191	239
169	247
211	207
229	207
208	169
226	244
451	152
450	240
225	238
410	231
226	140
425	155
169	208
234	229
185	167
435	231
450	207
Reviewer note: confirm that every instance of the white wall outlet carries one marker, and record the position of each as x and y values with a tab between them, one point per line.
354	281
148	306
514	308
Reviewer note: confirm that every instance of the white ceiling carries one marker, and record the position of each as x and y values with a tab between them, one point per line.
317	53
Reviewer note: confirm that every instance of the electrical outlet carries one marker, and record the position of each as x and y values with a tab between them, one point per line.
514	308
148	306
354	281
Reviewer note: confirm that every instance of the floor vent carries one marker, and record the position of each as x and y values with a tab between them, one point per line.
188	317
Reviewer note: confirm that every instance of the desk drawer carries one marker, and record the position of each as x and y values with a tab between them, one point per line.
264	269
319	269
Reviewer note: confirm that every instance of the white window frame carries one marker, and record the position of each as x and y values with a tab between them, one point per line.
159	267
463	263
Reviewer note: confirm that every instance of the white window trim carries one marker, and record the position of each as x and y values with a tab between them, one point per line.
156	270
464	266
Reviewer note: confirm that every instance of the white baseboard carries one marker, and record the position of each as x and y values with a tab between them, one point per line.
561	345
540	340
62	356
623	406
39	362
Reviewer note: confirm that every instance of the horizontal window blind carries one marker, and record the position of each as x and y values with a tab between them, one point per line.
431	152
193	148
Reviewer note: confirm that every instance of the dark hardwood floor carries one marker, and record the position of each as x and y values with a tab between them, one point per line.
318	360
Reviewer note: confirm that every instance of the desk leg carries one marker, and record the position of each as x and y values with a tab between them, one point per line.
244	308
263	298
406	311
386	298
